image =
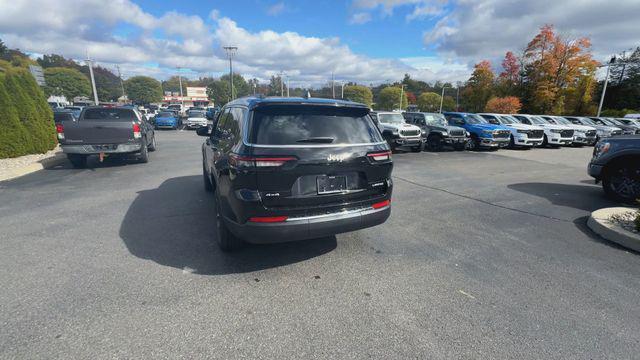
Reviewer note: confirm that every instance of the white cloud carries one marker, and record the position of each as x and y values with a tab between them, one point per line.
477	29
156	45
360	18
276	9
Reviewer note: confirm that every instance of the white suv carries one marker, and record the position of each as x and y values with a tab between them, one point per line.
397	132
521	134
583	135
554	135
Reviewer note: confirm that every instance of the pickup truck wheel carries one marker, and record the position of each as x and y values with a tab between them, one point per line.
153	146
474	143
622	182
545	141
208	186
226	240
434	143
512	142
78	161
143	157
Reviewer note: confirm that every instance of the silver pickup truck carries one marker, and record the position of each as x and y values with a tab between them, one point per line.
104	132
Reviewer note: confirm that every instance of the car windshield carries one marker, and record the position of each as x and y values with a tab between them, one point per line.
475	119
614	121
176	107
196	114
507	119
391	118
561	120
165	114
537	120
435	120
305	125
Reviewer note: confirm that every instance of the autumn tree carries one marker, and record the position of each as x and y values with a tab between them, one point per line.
503	105
557	71
479	87
509	79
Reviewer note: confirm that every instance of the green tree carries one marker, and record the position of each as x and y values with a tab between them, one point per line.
389	98
479	88
67	82
143	89
14	138
218	90
449	103
429	102
358	93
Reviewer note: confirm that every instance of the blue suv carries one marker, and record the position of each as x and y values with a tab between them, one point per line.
482	133
167	120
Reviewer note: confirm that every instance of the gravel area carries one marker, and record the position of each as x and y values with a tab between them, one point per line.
13	163
626	221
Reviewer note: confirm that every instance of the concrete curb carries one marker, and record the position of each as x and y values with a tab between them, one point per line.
600	224
49	162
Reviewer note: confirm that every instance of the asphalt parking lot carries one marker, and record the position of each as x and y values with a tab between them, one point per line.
486	255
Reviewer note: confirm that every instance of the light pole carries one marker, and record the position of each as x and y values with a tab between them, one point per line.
606	81
442	98
333	86
401	92
231	52
180	80
93	81
342	91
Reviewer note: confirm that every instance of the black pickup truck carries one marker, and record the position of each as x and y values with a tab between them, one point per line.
104	132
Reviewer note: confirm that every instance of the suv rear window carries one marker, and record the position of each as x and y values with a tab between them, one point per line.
109	114
300	125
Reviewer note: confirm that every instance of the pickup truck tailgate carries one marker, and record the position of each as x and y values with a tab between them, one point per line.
98	132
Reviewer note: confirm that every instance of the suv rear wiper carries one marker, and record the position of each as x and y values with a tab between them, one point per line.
321	140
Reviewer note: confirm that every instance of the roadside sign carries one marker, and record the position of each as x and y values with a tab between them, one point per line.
38	74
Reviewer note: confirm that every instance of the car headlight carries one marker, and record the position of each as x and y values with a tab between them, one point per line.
468	134
394	131
601	148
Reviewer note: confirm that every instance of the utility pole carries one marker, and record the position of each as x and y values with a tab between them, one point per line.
121	83
457	96
181	96
606	82
442	98
342	92
401	92
280	75
231	52
333	87
288	85
93	80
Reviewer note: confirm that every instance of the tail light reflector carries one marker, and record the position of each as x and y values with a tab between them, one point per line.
60	131
380	156
268	219
253	161
136	131
381	204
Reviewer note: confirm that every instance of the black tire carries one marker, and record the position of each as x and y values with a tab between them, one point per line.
622	182
226	240
77	161
545	141
512	142
143	157
475	143
434	143
208	186
155	127
153	146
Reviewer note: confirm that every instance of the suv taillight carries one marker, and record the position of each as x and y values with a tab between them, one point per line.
257	161
136	131
60	131
380	156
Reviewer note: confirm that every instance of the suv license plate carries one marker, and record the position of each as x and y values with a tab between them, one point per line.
331	184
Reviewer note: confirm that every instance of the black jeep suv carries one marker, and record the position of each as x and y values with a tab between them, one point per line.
286	169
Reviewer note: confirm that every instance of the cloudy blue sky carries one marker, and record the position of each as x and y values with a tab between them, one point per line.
366	41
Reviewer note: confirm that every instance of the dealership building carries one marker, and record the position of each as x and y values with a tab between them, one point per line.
196	96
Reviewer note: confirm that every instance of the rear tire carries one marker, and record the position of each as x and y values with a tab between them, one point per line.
475	143
545	141
153	146
143	157
226	240
78	161
512	142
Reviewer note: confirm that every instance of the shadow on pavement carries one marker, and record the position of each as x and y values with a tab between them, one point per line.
94	163
174	225
583	197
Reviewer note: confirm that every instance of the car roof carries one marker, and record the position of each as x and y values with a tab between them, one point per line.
254	101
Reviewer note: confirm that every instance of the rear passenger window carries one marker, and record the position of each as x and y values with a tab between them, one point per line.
308	125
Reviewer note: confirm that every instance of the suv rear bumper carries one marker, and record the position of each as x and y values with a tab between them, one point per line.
96	149
414	141
311	227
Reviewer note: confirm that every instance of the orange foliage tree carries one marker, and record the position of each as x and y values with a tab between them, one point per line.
479	88
503	105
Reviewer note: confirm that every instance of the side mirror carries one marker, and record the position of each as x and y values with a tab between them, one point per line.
203	131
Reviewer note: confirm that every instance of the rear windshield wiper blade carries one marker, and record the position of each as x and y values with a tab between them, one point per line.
321	140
